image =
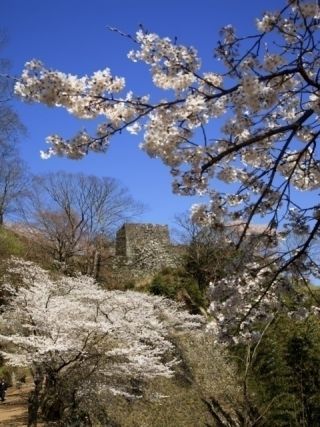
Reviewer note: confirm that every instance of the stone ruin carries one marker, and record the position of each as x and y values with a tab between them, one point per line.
143	249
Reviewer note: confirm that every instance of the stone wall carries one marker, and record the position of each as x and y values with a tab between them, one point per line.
143	249
132	238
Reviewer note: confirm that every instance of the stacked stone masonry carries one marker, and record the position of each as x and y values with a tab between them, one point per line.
144	248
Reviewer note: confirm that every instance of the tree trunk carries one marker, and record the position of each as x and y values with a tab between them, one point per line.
96	264
35	398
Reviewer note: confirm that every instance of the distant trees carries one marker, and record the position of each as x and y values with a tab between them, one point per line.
83	342
13	179
11	127
75	213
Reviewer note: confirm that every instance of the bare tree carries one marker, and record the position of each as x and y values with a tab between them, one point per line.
13	181
11	127
12	169
75	212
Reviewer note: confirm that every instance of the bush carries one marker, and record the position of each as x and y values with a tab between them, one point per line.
6	374
283	377
176	284
10	244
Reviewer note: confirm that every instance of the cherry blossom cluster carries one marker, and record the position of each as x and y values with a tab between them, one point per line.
84	97
242	303
57	323
254	126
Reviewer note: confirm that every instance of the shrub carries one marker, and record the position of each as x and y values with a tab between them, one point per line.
10	244
178	285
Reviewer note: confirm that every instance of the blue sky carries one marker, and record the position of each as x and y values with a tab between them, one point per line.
72	35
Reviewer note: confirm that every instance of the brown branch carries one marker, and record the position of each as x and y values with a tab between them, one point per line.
237	147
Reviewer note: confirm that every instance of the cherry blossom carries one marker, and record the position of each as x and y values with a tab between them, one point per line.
254	126
57	323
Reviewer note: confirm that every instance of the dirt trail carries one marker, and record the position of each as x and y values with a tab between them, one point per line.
13	411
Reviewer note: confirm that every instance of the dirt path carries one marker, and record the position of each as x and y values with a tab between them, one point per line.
13	411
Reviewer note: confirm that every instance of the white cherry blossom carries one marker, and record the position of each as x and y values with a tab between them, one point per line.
254	126
58	322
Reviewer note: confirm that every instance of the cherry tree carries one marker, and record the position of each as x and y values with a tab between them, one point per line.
254	126
60	327
242	307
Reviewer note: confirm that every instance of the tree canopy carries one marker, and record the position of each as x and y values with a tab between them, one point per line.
61	326
254	126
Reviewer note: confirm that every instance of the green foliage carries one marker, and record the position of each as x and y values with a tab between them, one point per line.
5	373
285	375
177	284
209	261
10	244
211	252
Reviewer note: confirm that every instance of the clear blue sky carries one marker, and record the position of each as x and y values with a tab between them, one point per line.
72	35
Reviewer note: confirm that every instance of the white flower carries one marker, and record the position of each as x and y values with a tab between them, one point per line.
134	129
268	21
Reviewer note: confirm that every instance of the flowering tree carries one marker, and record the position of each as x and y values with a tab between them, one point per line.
69	326
242	306
265	107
